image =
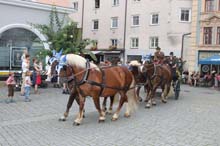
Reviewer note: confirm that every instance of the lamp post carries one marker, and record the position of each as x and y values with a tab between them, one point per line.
183	36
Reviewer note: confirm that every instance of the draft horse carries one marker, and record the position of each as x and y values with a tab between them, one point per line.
157	75
70	84
89	80
140	79
73	92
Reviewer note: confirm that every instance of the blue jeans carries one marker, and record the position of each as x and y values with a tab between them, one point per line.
27	92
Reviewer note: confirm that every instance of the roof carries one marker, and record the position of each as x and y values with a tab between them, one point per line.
37	5
61	3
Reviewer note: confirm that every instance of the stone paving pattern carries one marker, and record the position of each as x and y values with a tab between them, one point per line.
193	120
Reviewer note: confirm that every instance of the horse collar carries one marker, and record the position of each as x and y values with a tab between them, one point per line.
85	77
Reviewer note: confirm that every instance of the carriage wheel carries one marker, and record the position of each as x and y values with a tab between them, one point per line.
177	89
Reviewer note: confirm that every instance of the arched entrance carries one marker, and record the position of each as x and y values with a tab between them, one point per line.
14	39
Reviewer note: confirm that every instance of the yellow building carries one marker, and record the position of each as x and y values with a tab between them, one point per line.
205	35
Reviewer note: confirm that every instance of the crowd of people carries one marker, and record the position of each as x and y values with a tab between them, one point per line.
33	77
198	79
30	77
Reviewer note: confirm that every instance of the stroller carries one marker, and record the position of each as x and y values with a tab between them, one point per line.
18	79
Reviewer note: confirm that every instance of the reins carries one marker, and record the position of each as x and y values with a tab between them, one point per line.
84	80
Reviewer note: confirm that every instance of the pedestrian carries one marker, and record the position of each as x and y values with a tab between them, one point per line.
41	66
27	86
25	68
10	83
25	52
36	76
38	82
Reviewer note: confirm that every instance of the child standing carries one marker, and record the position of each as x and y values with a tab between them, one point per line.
27	86
10	83
38	81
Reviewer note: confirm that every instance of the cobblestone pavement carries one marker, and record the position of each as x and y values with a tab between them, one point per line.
193	120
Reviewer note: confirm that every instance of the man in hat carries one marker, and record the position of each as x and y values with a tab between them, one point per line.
158	56
172	61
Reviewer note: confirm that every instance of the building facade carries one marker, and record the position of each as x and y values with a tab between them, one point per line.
131	28
205	38
17	33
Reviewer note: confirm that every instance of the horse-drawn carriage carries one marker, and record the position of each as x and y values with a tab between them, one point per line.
87	79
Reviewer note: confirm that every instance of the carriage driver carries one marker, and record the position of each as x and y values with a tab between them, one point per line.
173	65
158	56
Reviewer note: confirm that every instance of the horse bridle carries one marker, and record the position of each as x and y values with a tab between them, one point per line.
73	75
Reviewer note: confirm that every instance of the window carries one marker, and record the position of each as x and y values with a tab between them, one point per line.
207	35
209	5
218	36
185	15
97	3
95	24
154	19
134	42
75	5
154	42
135	20
115	2
114	22
114	42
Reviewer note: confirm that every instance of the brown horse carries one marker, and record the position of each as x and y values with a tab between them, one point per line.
140	79
95	82
72	90
74	95
157	75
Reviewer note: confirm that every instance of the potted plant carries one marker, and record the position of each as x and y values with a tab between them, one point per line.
112	47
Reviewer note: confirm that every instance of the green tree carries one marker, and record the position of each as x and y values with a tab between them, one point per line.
63	34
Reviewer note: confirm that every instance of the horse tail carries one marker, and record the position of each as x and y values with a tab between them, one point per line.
132	97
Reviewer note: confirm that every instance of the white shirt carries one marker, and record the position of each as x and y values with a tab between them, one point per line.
24	66
27	81
23	57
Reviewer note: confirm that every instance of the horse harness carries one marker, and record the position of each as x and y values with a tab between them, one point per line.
155	75
85	80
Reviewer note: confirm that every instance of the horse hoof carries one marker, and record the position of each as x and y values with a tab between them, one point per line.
164	101
145	100
154	104
140	99
114	119
147	106
62	118
84	116
126	115
101	121
76	123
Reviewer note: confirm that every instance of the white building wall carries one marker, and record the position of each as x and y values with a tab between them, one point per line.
104	15
169	30
77	15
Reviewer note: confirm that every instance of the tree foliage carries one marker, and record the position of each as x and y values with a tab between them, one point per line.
63	34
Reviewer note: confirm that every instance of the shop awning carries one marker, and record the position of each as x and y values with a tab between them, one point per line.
215	59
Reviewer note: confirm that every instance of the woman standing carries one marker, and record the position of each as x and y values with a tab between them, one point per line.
36	76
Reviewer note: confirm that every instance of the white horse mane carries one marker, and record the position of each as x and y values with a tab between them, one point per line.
73	59
134	63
